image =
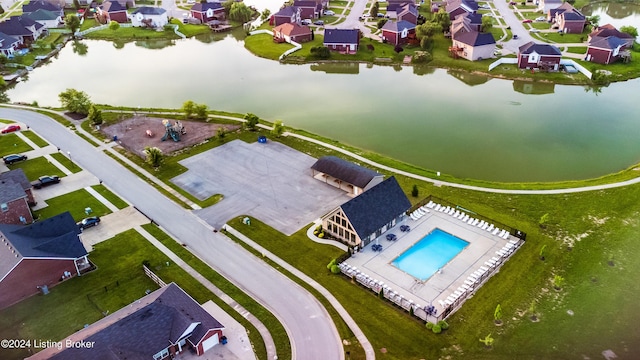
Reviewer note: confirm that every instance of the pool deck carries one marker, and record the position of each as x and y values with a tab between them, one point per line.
482	247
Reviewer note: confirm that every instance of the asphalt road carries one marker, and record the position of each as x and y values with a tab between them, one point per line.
311	331
510	18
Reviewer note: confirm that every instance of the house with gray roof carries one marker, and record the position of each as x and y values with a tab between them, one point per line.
345	41
112	11
149	16
473	45
47	18
345	175
208	11
288	14
33	6
39	256
163	324
539	56
15	198
362	219
8	44
22	28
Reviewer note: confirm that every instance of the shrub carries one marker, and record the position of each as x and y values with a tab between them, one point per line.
335	269
429	325
443	324
381	294
320	52
114	25
421	57
331	263
398	49
436	329
414	191
370	47
321	235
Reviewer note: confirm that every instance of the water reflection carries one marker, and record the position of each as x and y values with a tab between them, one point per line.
154	44
533	87
468	78
336	68
616	14
79	48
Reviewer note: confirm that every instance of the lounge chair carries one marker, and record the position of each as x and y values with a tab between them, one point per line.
484	227
465	218
474	222
413	217
495	232
437	207
430	204
442	303
481	223
484	268
470	283
490	228
446	210
506	235
490	263
501	233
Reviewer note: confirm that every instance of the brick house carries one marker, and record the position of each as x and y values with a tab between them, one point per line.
398	32
39	256
460	7
163	324
308	9
474	45
467	22
292	32
206	12
539	56
112	11
568	19
408	12
288	14
342	40
15	198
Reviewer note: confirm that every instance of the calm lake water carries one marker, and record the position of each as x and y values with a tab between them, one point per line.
616	14
468	126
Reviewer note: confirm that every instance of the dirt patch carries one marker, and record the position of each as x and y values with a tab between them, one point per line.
132	134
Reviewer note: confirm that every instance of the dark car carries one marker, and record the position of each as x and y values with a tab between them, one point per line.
10	128
45	181
89	222
10	159
318	22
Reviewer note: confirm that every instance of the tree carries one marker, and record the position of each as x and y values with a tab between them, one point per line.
72	22
426	31
593	20
201	111
76	4
398	49
628	29
189	108
265	14
95	115
497	315
414	191
320	52
154	156
381	23
222	131
251	121
75	101
278	128
442	18
487	24
227	5
240	12
1	10
374	9
114	25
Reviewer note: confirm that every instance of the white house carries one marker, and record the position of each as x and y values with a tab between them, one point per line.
149	16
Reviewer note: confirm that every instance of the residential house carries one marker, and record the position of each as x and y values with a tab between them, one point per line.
610	30
288	14
408	12
459	7
163	324
33	6
206	12
474	45
49	19
342	40
23	29
466	22
292	32
362	219
8	44
16	198
309	9
398	32
149	16
112	11
36	257
539	56
568	19
545	5
606	50
345	175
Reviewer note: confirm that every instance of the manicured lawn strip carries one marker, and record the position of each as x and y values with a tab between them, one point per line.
263	46
355	349
86	138
190	30
57	117
276	329
40	142
12	144
34	168
3	121
110	196
64	160
565	38
123	34
591	283
75	202
577	49
540	25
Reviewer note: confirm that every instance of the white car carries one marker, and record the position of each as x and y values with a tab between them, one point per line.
534	30
541	18
306	22
329	12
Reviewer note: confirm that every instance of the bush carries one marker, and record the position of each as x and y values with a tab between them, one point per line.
421	57
430	325
398	49
414	191
331	263
321	235
335	269
370	47
436	329
114	25
443	324
320	52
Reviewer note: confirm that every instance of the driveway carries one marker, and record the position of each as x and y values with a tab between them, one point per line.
66	185
517	28
271	182
112	225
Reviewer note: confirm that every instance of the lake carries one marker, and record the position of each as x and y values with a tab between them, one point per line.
616	14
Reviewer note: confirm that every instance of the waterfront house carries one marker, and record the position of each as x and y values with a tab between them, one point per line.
149	16
112	11
345	41
33	6
288	14
292	32
47	18
398	32
8	44
606	50
473	45
539	56
23	29
208	11
308	9
466	22
568	19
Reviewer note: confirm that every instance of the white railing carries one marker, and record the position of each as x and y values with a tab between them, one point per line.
296	46
502	61
580	68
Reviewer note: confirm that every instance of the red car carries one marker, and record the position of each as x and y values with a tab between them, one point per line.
10	128
527	21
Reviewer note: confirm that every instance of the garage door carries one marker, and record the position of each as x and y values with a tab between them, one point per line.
210	342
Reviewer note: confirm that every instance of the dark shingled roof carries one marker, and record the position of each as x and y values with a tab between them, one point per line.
341	36
287	11
149	10
143	328
610	42
376	207
112	6
16	175
41	4
55	237
398	26
542	49
42	15
345	170
8	42
16	25
474	38
10	191
203	7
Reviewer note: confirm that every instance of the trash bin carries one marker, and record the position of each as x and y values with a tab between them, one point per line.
115	137
223	340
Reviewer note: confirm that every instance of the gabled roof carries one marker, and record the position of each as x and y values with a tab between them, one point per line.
203	7
149	10
610	42
112	6
287	11
398	26
7	42
610	30
345	170
542	49
467	5
474	38
376	207
305	3
341	36
10	191
15	26
141	329
292	29
40	4
568	12
55	237
408	8
42	15
16	175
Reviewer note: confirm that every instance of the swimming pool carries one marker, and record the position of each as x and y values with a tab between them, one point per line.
428	255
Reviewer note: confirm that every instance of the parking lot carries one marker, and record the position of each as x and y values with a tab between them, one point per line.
271	182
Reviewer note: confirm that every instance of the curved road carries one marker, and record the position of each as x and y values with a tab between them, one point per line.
310	328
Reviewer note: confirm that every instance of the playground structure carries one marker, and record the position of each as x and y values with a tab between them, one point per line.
173	131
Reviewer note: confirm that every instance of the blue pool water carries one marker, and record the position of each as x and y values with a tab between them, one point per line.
428	255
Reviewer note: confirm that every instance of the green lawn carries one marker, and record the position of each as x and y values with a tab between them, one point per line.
40	142
12	144
565	38
577	50
540	25
34	168
190	30
110	196
75	202
131	34
262	45
64	160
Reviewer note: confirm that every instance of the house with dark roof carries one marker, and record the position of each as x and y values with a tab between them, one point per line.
47	18
459	7
149	16
408	12
8	44
466	22
539	56
33	6
309	9
15	198
610	30
288	14
398	32
362	219
112	11
39	256
292	32
568	19
345	41
163	324
473	45
345	175
207	11
23	29
607	50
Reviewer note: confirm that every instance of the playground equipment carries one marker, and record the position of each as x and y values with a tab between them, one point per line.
173	131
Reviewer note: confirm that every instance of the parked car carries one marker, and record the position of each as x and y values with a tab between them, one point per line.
318	22
515	36
306	22
10	159
89	222
329	12
534	30
512	3
527	21
541	18
45	181
380	15
10	128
